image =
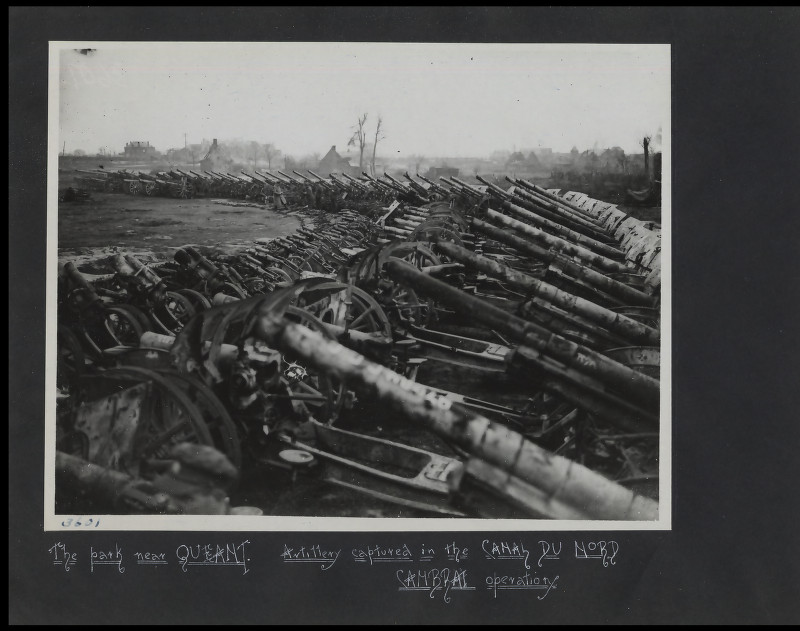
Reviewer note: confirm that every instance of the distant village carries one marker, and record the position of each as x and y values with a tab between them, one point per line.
600	171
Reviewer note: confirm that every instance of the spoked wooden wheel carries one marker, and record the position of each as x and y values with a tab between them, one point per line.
149	188
279	275
71	359
218	421
140	315
169	416
367	316
198	300
116	326
186	190
322	394
174	313
231	289
417	254
300	263
123	326
348	307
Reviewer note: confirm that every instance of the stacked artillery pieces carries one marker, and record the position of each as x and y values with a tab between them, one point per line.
281	189
547	304
103	181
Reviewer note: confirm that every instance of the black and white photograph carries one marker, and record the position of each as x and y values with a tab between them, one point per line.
403	315
361	286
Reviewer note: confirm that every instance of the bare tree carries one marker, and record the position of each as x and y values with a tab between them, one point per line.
359	139
271	152
378	137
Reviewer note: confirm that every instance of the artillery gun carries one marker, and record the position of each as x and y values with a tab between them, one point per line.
536	307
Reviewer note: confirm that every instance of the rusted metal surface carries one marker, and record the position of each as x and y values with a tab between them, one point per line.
618	323
644	389
568	234
585	255
607	290
563	480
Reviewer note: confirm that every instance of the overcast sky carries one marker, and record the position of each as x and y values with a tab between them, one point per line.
435	99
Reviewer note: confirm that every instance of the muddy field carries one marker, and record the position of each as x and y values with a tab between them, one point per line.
157	226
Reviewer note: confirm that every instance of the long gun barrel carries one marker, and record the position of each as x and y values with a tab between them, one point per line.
544	346
555	198
355	182
262	178
434	185
404	187
271	179
305	178
607	289
579	251
384	185
290	178
466	185
391	184
282	179
538	194
563	231
499	192
322	181
416	185
460	188
339	184
395	187
189	175
549	210
72	273
563	482
626	327
231	178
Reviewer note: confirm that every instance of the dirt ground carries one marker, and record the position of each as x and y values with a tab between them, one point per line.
153	227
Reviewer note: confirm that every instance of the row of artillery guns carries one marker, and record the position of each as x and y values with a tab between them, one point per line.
279	188
493	356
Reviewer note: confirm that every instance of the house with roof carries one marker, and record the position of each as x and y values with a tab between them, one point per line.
217	158
332	162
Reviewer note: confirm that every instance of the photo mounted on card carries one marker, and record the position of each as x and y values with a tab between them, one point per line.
358	287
